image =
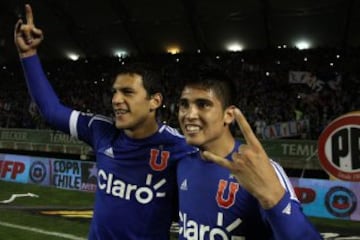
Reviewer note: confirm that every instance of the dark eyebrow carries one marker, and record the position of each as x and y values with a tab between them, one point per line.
203	100
197	101
123	88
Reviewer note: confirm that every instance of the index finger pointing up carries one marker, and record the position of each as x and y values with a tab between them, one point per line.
246	130
29	15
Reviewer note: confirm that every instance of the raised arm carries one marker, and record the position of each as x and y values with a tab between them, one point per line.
27	39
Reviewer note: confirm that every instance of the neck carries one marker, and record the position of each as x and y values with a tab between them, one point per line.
145	130
221	146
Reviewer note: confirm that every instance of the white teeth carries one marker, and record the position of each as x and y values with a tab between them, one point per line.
192	128
120	111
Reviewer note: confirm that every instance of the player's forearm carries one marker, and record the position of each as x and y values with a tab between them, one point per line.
271	196
288	221
43	94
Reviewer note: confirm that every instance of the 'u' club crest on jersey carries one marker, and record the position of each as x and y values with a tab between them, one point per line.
154	159
231	196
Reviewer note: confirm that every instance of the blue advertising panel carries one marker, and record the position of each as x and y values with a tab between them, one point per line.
14	168
328	199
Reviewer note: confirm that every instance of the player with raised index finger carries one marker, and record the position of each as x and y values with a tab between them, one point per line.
136	156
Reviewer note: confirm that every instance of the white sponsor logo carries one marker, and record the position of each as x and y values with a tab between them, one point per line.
287	209
121	189
183	185
192	230
109	152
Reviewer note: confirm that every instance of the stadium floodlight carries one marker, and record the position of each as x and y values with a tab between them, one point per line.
73	56
234	47
120	53
173	50
302	45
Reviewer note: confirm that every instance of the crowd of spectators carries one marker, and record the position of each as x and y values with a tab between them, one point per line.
266	94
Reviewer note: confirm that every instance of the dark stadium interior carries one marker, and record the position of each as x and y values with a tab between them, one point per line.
267	30
97	28
264	45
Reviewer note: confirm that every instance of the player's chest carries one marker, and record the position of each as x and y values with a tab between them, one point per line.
205	182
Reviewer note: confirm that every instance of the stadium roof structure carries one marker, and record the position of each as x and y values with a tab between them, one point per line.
91	28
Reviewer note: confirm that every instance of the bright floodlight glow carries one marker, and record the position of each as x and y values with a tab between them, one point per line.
120	53
234	47
173	50
73	56
302	45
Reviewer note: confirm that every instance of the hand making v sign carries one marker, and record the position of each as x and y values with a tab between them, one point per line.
251	166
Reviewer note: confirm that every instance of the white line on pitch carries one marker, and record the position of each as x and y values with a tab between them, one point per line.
41	231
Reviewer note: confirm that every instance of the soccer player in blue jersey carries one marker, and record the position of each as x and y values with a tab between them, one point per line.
240	193
136	156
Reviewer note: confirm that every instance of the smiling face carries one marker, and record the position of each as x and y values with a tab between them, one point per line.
202	117
133	108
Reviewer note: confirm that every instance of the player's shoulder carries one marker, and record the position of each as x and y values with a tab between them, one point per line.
174	138
97	119
171	133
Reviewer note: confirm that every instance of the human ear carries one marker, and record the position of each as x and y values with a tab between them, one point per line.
229	115
155	101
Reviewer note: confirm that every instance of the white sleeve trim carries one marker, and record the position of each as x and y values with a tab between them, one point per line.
100	118
284	180
73	123
173	131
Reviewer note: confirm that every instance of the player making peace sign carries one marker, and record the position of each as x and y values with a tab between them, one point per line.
240	193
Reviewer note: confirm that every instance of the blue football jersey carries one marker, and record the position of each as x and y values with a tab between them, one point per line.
136	188
214	206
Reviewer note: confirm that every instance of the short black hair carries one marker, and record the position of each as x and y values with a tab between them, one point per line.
213	77
152	81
